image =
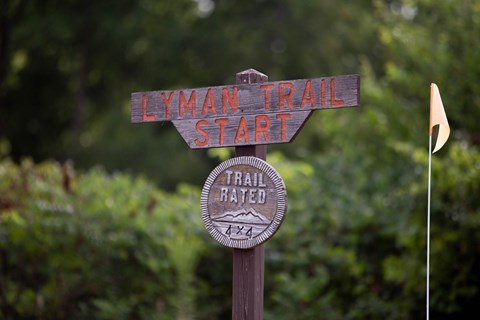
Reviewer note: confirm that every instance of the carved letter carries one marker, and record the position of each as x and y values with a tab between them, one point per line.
261	196
202	132
285	96
238	178
259	129
266	88
145	116
242	131
224	194
186	107
283	124
229	173
209	103
221	122
232	100
247	181
167	102
308	92
323	93
333	101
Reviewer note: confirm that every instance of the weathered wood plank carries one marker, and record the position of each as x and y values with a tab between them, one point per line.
241	130
246	99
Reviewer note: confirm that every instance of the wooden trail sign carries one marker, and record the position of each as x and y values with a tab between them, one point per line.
245	114
248	115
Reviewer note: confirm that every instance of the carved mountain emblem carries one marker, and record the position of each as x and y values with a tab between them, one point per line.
250	216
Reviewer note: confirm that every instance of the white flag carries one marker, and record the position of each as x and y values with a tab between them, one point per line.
438	117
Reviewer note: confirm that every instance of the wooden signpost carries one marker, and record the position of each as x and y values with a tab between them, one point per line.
244	199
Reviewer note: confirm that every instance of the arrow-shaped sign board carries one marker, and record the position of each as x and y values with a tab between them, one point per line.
245	114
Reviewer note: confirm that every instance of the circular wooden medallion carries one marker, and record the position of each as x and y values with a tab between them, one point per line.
244	201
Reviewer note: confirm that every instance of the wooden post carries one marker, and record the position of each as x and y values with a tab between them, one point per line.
248	264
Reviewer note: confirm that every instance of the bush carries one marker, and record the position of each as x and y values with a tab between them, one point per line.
94	245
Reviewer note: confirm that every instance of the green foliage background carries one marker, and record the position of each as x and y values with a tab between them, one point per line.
99	218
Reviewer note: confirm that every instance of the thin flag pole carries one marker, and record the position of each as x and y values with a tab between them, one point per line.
437	117
428	222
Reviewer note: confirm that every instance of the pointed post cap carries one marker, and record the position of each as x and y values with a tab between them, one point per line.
251	76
